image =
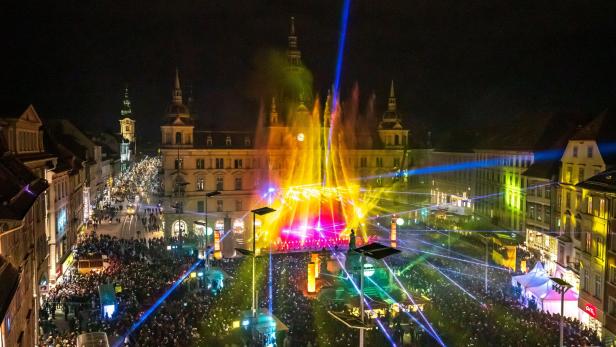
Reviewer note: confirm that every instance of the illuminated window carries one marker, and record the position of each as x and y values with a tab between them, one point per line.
601	207
220	163
589	205
178	164
200	184
246	141
238	163
228	141
569	174
209	141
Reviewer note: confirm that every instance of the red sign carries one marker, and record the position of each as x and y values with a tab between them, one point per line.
591	310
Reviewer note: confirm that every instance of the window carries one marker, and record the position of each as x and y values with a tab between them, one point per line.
220	163
578	229
598	250
568	200
200	184
238	183
379	181
208	141
598	288
611	306
589	205
200	206
588	243
397	162
238	163
228	141
363	162
178	138
575	151
396	140
580	173
219	206
178	164
601	208
569	174
200	164
246	141
238	205
167	138
379	162
220	183
584	279
612	274
589	151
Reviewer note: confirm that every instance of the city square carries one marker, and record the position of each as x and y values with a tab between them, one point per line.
324	204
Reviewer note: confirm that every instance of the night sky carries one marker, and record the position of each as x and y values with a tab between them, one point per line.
456	63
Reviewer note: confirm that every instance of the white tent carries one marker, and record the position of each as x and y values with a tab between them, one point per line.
538	285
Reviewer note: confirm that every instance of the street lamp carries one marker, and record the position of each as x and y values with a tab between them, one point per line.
207	195
561	286
376	251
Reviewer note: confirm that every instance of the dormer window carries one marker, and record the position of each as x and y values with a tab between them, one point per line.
209	141
228	141
246	141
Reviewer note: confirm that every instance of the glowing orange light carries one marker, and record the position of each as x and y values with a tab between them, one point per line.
311	277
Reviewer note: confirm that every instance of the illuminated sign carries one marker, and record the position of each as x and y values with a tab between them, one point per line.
590	309
61	222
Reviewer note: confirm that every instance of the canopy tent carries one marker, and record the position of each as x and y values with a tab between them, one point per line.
538	285
536	277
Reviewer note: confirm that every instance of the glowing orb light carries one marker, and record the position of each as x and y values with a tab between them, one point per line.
300	137
400	221
368	269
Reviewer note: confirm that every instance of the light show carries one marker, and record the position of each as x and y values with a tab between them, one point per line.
313	188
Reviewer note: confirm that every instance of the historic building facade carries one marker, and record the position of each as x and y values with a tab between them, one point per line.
240	166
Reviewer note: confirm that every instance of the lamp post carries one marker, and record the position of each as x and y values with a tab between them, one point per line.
561	286
207	195
376	251
259	211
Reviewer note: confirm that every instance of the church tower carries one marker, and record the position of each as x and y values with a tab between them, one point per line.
127	123
179	126
390	129
128	143
294	55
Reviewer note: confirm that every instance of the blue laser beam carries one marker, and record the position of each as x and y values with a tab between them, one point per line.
144	316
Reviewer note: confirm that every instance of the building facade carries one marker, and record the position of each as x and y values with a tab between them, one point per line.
240	164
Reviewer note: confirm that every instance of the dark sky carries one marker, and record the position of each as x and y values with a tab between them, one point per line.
456	63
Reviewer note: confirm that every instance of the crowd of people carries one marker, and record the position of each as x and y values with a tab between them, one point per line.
492	318
459	310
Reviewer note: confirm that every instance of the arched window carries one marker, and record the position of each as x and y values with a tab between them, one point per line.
178	138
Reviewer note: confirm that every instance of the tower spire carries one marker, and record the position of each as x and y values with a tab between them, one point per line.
294	56
177	90
327	112
126	110
273	112
391	104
